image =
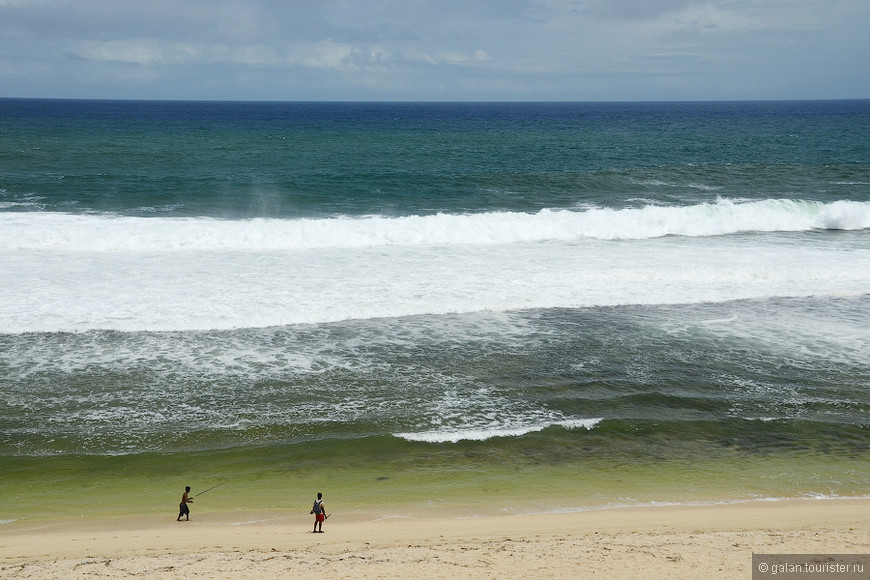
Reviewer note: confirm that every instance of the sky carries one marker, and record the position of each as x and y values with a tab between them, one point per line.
435	50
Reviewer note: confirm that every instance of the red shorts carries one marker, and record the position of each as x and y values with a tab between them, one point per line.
319	517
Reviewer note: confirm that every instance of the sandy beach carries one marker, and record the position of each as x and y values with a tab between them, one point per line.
711	541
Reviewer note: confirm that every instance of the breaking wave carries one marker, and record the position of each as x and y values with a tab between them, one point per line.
95	233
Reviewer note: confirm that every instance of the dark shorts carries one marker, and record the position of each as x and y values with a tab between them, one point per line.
183	510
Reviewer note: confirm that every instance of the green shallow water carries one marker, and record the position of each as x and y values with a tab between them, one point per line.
455	480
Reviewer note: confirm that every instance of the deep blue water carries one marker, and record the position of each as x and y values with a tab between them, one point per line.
236	160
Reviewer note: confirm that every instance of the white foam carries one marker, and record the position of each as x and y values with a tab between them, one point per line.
104	233
628	504
76	273
454	435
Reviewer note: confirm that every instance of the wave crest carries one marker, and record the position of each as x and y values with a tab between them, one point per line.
454	435
56	231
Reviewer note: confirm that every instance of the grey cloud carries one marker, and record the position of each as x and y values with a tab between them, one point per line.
387	49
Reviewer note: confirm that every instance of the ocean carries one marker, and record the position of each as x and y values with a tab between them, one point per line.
459	307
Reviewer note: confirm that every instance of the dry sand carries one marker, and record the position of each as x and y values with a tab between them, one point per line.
714	541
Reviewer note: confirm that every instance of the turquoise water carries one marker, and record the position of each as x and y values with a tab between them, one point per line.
599	303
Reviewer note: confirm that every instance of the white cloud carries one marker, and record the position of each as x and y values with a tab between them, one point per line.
328	54
143	51
256	55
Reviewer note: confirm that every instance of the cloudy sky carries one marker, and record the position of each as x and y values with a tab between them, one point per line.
518	50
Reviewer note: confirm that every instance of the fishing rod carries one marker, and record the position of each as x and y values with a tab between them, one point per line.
209	489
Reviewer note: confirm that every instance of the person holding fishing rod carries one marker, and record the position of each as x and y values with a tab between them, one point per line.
183	510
